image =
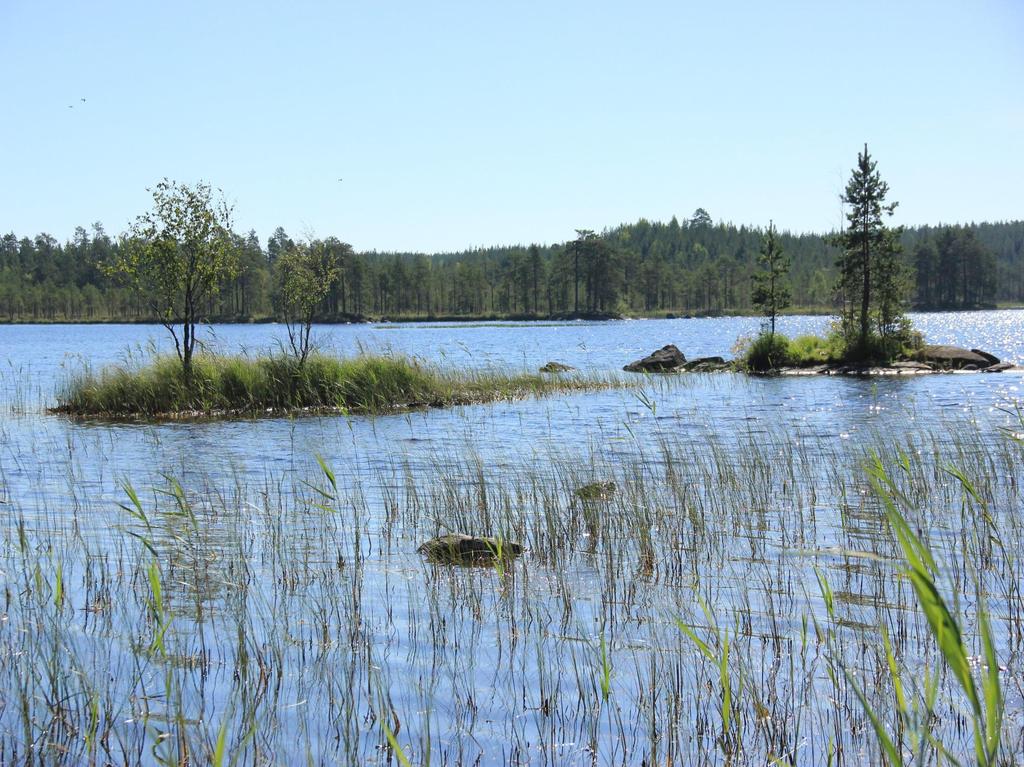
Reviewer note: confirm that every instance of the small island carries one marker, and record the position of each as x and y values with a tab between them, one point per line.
872	336
226	386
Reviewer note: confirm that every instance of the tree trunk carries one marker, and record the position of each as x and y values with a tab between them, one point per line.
865	298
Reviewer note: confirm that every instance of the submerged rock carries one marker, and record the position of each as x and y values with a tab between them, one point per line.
457	548
956	358
596	491
556	367
666	360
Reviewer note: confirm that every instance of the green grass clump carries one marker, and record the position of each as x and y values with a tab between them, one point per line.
767	352
239	385
814	350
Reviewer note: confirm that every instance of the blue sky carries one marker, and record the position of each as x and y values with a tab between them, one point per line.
458	124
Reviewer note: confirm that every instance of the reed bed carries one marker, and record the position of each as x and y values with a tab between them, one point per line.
744	603
229	385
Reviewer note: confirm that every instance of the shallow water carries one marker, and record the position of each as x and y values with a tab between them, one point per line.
726	483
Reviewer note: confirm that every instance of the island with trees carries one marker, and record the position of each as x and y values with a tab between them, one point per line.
181	263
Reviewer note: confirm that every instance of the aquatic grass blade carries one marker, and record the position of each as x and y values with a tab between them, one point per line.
991	689
888	747
606	670
723	672
328	472
221	746
894	674
396	747
135	509
826	592
145	541
947	634
704	649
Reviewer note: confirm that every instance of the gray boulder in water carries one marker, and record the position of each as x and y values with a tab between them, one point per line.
457	548
666	360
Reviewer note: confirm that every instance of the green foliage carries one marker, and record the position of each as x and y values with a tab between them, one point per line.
594	266
655	268
769	351
954	269
716	651
305	275
178	255
770	293
919	567
872	282
815	350
283	383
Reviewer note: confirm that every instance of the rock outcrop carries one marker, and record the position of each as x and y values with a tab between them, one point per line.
991	358
667	359
956	358
999	367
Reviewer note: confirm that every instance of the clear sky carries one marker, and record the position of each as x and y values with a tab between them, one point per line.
457	124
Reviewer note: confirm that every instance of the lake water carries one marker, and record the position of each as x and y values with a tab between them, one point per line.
302	616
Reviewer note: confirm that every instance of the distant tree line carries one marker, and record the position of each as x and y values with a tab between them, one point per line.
689	267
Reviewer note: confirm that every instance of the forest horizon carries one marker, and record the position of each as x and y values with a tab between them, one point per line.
646	268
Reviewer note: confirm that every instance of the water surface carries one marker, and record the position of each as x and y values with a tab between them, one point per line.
731	490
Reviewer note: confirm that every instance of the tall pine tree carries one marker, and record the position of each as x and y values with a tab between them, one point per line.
872	281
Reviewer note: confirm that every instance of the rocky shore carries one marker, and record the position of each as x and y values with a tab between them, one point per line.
936	358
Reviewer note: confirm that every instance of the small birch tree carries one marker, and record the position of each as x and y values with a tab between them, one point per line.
178	256
305	274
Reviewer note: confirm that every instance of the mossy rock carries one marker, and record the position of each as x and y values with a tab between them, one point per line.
458	549
596	491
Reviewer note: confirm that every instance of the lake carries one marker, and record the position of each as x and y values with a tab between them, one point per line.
255	583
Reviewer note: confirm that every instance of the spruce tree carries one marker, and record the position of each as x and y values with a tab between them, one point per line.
770	293
871	278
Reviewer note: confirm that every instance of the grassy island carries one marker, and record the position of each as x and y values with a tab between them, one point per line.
774	351
223	385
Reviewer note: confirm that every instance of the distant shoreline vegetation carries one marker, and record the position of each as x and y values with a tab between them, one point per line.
239	386
645	269
816	311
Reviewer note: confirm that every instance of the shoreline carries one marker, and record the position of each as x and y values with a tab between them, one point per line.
560	317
